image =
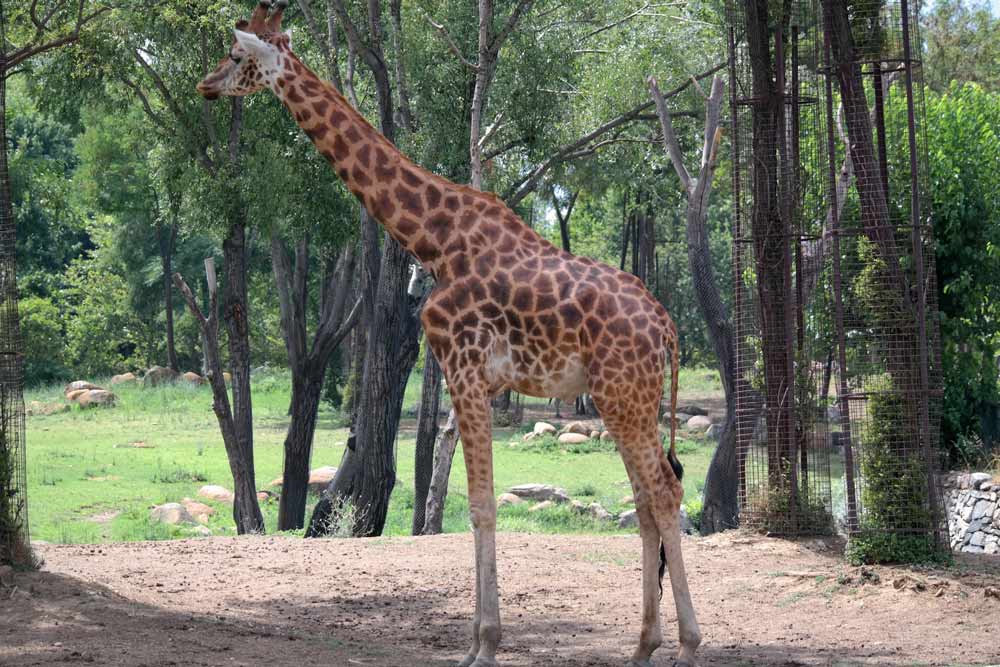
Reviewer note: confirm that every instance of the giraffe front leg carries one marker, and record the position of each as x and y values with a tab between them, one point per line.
472	410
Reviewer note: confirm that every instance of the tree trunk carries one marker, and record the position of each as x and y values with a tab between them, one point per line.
307	386
246	509
166	243
437	494
427	429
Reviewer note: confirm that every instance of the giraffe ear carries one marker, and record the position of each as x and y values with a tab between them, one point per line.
249	41
288	38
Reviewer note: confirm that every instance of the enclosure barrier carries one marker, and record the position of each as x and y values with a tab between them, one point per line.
838	351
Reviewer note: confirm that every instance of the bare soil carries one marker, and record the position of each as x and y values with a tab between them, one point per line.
565	600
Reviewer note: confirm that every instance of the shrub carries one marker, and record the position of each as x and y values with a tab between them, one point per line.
44	342
870	547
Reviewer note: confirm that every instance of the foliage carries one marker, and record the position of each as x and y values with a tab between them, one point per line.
872	547
961	44
44	341
965	205
772	511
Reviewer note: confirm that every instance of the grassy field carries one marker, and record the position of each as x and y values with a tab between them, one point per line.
94	474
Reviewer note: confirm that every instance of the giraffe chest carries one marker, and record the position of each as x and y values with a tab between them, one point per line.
545	372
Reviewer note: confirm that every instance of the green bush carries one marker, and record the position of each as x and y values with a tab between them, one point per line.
44	342
871	547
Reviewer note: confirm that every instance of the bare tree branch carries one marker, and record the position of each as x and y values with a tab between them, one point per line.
670	142
452	46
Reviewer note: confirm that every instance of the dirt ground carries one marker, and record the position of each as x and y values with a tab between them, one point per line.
565	601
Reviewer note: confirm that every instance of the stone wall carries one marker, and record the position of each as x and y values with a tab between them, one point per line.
973	512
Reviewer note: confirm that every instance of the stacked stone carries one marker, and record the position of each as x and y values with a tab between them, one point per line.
973	512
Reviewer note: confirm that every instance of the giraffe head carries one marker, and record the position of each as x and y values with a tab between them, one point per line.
253	59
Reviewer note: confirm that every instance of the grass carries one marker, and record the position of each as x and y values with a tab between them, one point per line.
94	474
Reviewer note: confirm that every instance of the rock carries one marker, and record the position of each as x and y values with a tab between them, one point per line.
597	511
201	531
628	500
200	511
693	410
171	514
6	575
682	418
595	435
541	428
75	394
529	436
978	479
685	521
44	409
264	496
320	477
194	379
509	499
714	431
540	492
991	548
78	385
123	378
578	507
573	438
978	539
981	508
93	398
605	436
628	519
541	506
218	493
698	423
576	427
158	375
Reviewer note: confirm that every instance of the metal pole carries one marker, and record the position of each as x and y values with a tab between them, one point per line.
786	208
741	437
845	420
920	293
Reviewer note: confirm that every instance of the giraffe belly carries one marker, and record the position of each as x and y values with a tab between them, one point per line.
549	375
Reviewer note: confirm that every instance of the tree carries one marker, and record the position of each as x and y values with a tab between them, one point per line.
961	44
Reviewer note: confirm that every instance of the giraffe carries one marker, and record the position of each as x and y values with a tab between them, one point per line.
509	309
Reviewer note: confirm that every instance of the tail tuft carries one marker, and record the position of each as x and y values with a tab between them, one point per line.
675	464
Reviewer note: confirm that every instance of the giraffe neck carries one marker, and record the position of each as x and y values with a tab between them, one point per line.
428	215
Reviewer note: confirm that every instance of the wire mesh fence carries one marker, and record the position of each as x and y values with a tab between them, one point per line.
14	543
837	347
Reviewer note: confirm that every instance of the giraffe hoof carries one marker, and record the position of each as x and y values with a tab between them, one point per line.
684	663
467	661
639	663
484	662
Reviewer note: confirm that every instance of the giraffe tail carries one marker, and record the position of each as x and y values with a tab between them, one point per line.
675	463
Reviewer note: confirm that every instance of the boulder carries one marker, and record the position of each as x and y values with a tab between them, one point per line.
78	385
75	394
529	436
541	428
508	499
93	398
320	477
628	519
264	496
201	531
605	436
693	410
698	423
171	514
200	511
576	427
214	492
123	378
158	375
979	479
597	511
544	505
628	500
682	418
595	435
194	379
573	438
714	431
685	521
578	507
540	492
